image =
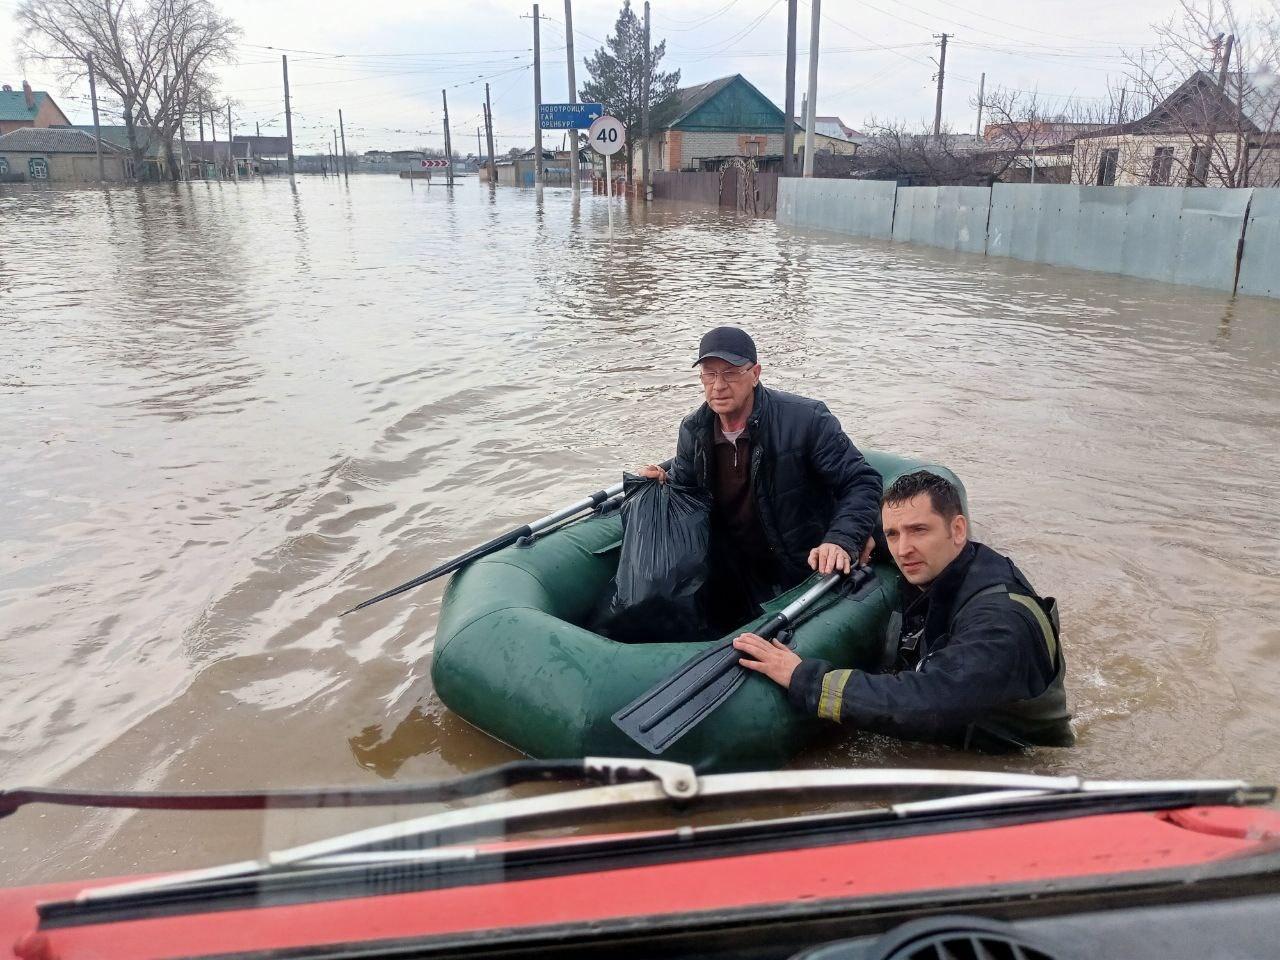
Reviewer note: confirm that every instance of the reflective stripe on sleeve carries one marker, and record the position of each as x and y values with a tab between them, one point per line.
832	694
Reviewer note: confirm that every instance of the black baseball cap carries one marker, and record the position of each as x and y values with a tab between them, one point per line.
727	343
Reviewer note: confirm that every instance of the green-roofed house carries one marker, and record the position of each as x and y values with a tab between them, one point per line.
720	118
28	108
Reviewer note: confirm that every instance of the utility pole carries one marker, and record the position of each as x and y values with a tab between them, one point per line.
97	130
573	91
231	158
448	142
335	151
789	131
200	119
982	86
288	114
810	123
479	149
488	126
537	103
1202	159
342	130
257	129
1120	110
644	105
942	71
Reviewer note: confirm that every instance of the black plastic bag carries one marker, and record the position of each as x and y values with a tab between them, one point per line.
666	535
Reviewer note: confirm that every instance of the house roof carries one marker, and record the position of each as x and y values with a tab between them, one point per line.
52	140
215	151
738	107
691	98
13	104
268	146
1259	105
119	136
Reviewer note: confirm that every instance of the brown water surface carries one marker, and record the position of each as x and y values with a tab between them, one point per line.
230	411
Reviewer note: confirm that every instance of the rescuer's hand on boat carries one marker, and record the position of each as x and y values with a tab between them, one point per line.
770	657
828	557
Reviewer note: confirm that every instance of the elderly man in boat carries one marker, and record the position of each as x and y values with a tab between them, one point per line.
790	492
971	659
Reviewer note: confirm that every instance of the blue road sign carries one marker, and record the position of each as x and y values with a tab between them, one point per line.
569	116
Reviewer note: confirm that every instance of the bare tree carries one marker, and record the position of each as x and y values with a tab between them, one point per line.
951	158
155	55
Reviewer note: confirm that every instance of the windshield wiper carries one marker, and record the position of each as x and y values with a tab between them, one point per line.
675	778
634	784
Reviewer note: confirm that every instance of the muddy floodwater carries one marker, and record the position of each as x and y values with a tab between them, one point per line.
228	412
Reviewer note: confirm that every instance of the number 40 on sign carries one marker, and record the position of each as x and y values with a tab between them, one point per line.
607	135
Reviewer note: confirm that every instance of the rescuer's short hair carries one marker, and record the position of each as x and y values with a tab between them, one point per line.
943	495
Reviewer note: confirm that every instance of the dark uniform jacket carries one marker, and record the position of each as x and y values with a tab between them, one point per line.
809	482
973	661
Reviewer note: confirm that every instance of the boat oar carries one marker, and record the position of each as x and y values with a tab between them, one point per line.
499	542
658	718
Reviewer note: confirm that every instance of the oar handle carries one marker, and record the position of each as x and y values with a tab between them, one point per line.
788	614
500	542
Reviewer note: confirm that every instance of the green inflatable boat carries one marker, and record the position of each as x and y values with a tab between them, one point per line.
512	657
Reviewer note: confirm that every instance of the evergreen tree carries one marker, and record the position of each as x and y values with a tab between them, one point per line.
617	79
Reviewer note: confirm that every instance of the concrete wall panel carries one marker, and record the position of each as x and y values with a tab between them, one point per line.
1171	234
859	208
1178	235
951	217
1260	266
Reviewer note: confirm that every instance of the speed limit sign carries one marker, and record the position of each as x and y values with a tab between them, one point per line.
607	135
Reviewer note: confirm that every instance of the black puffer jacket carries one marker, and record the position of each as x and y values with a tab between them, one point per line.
987	670
811	484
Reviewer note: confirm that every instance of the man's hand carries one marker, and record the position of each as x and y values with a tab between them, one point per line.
866	551
827	557
769	657
653	472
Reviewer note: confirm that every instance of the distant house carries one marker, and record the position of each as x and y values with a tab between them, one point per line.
28	108
207	158
1165	147
59	155
724	117
831	134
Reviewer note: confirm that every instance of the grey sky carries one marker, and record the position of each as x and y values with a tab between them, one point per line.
385	63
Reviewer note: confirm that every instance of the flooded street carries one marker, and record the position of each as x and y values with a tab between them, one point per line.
229	412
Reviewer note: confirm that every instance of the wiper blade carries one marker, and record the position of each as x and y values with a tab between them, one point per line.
589	769
423	834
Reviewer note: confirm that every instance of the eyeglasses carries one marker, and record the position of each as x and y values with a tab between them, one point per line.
731	375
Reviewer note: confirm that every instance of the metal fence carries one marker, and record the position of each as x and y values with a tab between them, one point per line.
751	192
1225	239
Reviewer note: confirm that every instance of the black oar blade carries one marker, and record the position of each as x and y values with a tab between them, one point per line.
661	716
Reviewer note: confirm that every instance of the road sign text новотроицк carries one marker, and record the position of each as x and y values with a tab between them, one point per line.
568	116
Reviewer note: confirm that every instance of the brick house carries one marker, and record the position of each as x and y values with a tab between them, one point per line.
724	117
28	108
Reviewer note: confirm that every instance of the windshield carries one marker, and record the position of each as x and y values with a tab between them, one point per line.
237	405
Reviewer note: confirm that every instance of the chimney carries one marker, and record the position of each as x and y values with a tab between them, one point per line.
31	97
